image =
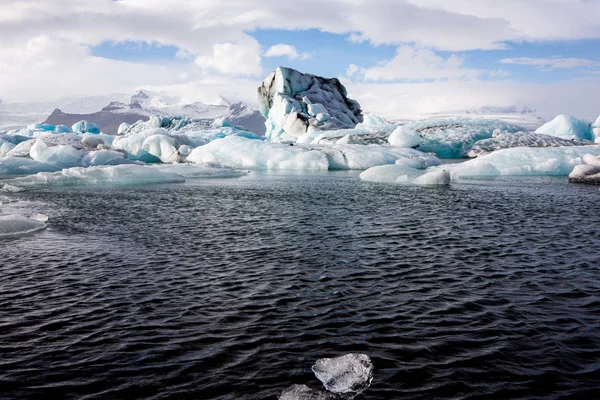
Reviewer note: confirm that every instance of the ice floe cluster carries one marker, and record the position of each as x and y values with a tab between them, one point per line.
343	377
311	125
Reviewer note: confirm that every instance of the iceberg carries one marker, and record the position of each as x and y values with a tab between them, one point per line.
295	103
111	175
92	141
525	161
448	138
85	127
348	375
303	392
14	225
588	173
21	150
25	166
403	174
354	156
241	152
520	139
123	128
163	147
567	127
65	156
103	157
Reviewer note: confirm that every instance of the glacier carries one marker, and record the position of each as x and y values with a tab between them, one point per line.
294	104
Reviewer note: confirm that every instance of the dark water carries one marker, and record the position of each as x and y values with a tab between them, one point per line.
231	289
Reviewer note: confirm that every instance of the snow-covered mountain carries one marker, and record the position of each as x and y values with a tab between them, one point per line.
108	112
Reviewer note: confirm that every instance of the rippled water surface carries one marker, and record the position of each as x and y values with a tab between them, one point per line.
231	289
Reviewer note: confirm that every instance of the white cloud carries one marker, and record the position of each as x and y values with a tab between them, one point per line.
416	64
286	50
553	62
233	59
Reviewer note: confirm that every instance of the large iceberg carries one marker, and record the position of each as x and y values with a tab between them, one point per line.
567	127
525	161
241	152
348	375
505	140
587	173
13	225
112	175
448	138
295	103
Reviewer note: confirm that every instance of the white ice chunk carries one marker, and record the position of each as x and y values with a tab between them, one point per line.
65	156
349	375
355	156
92	141
103	157
303	392
85	127
549	161
390	174
113	175
200	171
588	173
122	128
39	217
5	147
13	225
433	178
12	188
162	146
405	137
241	152
567	127
22	149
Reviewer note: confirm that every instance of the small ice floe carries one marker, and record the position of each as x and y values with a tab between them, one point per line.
303	392
588	173
39	217
348	375
13	225
11	188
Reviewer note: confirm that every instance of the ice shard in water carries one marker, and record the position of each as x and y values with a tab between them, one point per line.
348	375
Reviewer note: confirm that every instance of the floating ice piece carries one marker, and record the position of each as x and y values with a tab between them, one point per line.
113	175
85	127
588	173
25	166
348	375
549	161
65	156
284	99
11	188
433	178
122	128
13	225
103	157
567	127
92	141
163	147
520	139
39	217
22	149
133	145
303	392
451	137
240	152
354	156
200	171
404	136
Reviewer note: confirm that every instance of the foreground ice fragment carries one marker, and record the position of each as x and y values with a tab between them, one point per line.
303	392
113	175
433	178
13	225
404	174
348	375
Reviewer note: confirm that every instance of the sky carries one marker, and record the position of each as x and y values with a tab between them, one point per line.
396	57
